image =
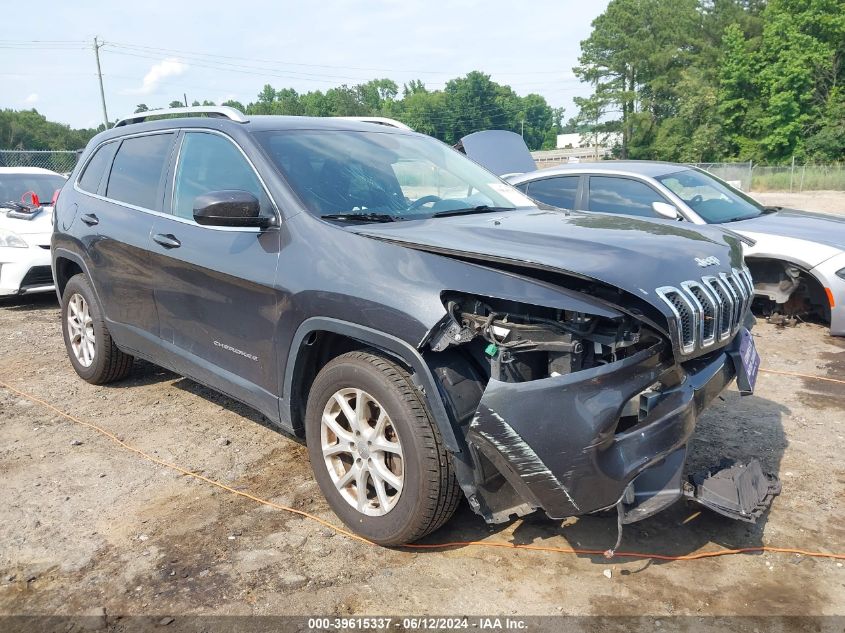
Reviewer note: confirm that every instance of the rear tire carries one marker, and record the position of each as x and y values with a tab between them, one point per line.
90	347
409	486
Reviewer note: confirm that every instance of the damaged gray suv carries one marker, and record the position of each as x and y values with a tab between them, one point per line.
427	329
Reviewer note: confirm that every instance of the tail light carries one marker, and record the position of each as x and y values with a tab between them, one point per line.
55	197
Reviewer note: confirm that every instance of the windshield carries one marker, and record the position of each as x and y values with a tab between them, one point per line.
712	199
14	186
377	176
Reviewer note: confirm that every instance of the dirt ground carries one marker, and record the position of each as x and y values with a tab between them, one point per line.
88	525
824	201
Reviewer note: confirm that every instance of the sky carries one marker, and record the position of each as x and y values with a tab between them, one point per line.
158	50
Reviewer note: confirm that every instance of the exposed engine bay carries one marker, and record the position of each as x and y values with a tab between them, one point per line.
520	343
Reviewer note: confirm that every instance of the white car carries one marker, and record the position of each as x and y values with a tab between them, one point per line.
26	224
797	258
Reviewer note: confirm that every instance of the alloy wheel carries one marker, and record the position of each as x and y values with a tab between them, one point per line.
81	330
362	452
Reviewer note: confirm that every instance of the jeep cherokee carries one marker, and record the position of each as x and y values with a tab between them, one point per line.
427	329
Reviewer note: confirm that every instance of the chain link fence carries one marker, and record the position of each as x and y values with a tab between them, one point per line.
793	177
59	161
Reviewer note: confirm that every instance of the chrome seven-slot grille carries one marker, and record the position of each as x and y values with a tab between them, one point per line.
711	310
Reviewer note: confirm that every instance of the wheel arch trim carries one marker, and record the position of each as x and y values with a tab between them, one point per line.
63	253
386	343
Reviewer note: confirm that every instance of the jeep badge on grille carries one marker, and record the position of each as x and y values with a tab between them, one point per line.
704	262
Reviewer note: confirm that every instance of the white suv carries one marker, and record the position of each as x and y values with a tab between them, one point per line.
26	223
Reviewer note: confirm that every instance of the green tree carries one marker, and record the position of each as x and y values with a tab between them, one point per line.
634	57
802	59
376	95
827	142
344	101
28	129
738	94
315	103
288	102
265	102
474	103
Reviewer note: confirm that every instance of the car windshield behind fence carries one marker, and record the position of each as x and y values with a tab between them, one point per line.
14	186
386	176
710	198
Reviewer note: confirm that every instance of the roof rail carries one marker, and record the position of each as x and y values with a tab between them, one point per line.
224	112
378	120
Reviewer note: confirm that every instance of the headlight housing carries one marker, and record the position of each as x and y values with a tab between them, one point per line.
841	273
11	239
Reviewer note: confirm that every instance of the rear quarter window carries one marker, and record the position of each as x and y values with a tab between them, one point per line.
137	168
96	168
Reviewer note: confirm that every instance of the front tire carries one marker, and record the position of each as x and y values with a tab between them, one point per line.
90	347
376	452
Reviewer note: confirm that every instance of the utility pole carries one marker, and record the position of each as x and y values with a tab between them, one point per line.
100	77
185	95
522	133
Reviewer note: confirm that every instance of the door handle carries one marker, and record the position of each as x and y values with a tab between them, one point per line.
167	240
90	219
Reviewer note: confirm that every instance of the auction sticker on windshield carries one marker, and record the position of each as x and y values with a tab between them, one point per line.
513	196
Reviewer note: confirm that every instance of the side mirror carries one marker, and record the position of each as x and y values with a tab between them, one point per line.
666	210
231	207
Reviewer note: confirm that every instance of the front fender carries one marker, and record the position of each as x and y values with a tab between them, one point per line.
386	343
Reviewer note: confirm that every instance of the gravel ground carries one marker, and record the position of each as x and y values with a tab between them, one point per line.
88	525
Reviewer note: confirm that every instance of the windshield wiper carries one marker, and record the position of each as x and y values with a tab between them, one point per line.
481	208
360	217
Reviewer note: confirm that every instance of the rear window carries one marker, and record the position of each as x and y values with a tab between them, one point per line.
14	186
96	167
136	171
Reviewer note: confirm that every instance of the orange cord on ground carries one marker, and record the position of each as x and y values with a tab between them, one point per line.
807	376
448	545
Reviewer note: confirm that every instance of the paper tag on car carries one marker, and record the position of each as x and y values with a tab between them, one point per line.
749	363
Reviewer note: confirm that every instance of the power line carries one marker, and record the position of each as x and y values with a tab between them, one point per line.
244	70
42	42
290	63
279	74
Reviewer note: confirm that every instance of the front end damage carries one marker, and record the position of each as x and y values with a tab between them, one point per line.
573	414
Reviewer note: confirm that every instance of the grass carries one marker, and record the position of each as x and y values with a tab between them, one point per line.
805	178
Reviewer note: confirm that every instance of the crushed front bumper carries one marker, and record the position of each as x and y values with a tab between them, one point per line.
556	443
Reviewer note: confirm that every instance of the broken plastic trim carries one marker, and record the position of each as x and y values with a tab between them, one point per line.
737	491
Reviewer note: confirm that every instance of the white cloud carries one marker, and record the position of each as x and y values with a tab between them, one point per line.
32	98
170	67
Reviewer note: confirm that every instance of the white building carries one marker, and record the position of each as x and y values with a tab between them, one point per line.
588	146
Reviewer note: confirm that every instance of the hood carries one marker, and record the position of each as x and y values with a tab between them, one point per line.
636	255
499	151
803	225
42	222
